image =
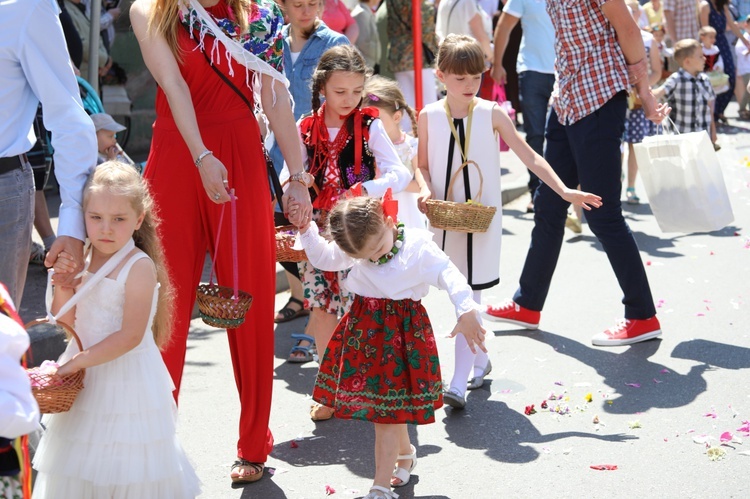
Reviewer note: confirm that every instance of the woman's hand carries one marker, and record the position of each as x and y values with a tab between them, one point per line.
214	177
424	194
297	217
585	200
471	327
301	195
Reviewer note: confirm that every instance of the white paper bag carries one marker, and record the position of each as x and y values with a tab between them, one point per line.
684	183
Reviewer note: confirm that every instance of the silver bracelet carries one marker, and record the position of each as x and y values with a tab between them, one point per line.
199	161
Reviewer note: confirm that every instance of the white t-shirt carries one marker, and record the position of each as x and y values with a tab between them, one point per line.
743	57
453	16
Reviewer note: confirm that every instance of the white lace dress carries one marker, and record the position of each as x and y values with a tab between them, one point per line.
118	440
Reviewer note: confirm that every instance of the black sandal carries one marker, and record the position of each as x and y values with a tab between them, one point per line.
289	314
257	469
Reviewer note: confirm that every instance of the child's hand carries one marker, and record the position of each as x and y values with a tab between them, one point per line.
470	326
111	153
70	367
64	263
424	195
296	216
585	200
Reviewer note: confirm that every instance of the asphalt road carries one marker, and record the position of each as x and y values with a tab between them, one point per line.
659	404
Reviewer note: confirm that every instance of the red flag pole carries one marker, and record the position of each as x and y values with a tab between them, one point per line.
416	23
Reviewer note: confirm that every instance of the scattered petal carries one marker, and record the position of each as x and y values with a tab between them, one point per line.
634	385
664	371
648	263
700	314
559	383
635	424
603	467
293	444
610	402
745	428
546	450
589	397
330	490
551	396
711	414
517	432
596	419
529	410
702	439
716	453
543	405
657	381
725	437
506	391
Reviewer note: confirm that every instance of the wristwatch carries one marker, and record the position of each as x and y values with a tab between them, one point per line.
303	178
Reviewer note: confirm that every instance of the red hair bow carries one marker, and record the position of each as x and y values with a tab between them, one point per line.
390	205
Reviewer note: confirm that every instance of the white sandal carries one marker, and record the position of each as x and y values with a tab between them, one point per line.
378	492
402	473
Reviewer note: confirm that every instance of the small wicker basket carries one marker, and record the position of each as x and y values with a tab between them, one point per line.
55	393
460	217
285	236
219	308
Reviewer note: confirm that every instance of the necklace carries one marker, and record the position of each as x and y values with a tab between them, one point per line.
396	246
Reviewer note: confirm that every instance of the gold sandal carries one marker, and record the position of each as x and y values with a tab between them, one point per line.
255	474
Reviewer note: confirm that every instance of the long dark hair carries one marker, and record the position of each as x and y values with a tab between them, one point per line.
344	58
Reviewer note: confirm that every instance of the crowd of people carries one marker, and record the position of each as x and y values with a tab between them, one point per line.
328	89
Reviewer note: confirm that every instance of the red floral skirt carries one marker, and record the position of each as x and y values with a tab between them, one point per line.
382	364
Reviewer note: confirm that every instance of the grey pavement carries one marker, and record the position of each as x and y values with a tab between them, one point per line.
658	404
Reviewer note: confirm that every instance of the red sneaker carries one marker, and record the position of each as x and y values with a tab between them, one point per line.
628	331
513	313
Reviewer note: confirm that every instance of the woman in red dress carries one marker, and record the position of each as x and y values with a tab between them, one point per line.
206	140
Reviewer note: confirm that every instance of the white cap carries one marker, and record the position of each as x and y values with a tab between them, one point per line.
103	121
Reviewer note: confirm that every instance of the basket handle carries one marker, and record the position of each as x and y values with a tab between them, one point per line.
69	330
235	259
100	274
449	194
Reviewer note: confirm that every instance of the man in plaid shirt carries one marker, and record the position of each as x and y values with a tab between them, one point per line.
689	91
600	53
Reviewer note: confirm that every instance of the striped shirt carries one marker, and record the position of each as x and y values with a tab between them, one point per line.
590	65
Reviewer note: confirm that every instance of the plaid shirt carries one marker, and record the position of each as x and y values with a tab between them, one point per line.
689	97
590	65
685	18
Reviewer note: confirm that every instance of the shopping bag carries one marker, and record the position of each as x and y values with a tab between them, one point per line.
492	91
684	182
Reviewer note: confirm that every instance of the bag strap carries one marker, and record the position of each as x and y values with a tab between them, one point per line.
272	175
100	274
235	258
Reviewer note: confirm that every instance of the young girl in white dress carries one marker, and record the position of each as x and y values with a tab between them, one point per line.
460	128
118	440
386	96
381	364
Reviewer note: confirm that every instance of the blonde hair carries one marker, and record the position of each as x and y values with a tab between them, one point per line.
164	20
684	49
305	35
122	179
707	30
352	222
385	94
344	58
460	55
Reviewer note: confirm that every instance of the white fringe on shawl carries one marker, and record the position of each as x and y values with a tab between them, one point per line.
234	50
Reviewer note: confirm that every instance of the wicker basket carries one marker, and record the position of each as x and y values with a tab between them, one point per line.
218	308
460	217
55	393
285	235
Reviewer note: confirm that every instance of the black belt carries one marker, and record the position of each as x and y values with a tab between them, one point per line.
10	164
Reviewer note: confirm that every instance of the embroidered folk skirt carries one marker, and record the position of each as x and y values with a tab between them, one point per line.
382	364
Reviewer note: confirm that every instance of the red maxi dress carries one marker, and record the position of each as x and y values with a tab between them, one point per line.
190	219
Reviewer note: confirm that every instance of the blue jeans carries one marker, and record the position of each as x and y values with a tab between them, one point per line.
535	91
16	218
587	153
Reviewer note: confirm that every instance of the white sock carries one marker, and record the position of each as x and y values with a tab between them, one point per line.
465	359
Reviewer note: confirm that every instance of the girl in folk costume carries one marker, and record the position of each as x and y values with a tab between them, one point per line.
217	63
118	439
348	153
382	363
461	128
385	95
19	412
